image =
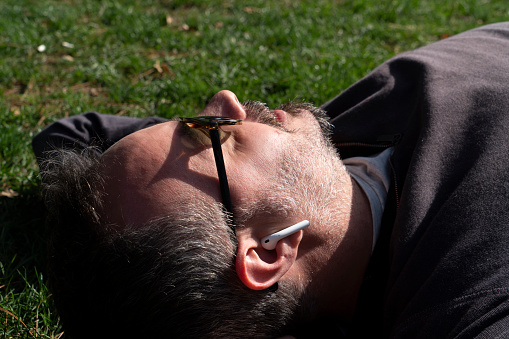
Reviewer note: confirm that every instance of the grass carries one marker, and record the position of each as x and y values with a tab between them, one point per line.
142	58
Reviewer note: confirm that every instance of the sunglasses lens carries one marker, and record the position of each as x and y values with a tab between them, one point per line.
199	135
209	122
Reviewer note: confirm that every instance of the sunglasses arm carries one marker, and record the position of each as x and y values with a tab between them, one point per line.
221	171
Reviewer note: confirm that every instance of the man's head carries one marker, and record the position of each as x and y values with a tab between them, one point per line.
158	247
160	164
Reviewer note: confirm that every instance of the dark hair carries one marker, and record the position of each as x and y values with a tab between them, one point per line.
173	277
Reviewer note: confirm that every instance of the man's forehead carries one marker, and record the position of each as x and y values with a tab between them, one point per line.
134	202
139	142
145	177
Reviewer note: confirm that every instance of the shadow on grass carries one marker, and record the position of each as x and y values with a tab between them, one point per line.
26	303
22	236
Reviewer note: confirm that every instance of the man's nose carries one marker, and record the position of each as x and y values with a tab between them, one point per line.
225	104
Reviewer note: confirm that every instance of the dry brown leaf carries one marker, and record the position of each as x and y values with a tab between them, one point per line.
251	10
9	193
166	69
16	110
157	66
67	44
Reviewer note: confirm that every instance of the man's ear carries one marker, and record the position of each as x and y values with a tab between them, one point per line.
259	268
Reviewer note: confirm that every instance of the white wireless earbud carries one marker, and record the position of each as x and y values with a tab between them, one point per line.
270	241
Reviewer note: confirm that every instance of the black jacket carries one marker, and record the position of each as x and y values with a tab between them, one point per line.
441	267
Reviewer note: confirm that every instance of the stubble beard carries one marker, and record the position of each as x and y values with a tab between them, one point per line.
311	181
309	178
308	184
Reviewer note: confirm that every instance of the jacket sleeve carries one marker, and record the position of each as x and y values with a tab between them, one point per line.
88	129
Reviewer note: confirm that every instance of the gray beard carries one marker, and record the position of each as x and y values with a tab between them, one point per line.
261	112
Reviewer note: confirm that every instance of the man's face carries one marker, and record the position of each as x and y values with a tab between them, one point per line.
154	169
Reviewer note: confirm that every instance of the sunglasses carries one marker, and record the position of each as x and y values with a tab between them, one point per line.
210	133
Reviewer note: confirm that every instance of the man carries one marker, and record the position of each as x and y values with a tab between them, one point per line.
408	230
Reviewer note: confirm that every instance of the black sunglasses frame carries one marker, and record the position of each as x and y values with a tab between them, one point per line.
212	124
